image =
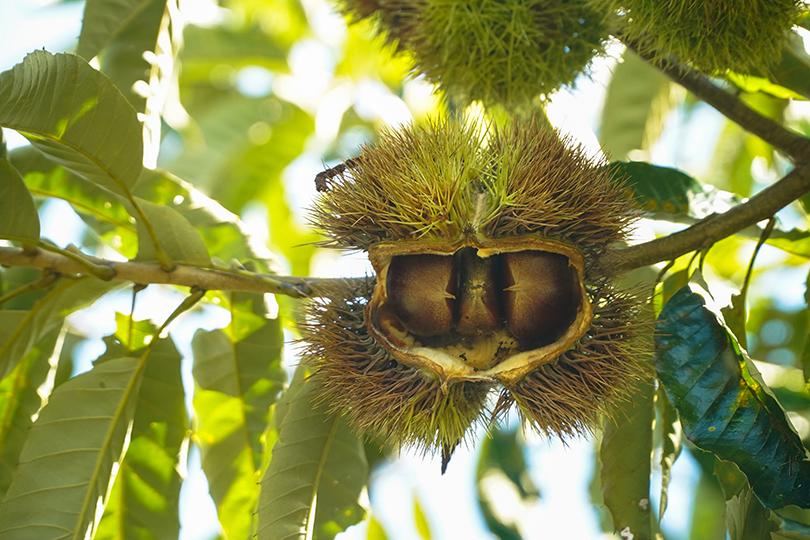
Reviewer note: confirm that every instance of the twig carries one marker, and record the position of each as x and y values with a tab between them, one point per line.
792	144
152	273
761	206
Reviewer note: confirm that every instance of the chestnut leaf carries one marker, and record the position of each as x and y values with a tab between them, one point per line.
724	406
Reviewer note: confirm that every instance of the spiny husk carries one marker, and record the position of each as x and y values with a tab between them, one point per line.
360	379
711	35
505	52
445	185
570	396
425	183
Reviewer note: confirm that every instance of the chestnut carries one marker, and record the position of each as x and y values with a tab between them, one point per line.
421	292
540	295
479	310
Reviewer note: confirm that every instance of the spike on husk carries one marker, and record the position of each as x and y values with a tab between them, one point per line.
712	36
488	247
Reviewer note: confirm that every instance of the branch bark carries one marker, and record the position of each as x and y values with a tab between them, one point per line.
152	273
717	226
788	142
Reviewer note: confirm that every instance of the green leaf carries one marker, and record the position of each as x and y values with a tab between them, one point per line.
178	239
104	20
206	48
97	207
67	459
143	503
20	330
76	116
746	518
225	235
375	530
734	317
723	406
501	465
636	104
19	401
626	455
239	376
18	214
422	525
790	528
318	468
667	191
123	58
793	71
670	447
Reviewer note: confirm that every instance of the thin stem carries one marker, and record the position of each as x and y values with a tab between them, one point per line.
152	273
717	226
792	144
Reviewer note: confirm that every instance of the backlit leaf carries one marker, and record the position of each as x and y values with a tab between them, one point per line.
67	459
635	105
18	214
20	330
19	401
239	376
626	455
671	445
723	406
104	20
76	116
143	503
318	469
178	239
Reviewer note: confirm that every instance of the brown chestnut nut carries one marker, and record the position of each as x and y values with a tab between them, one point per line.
479	310
540	295
421	292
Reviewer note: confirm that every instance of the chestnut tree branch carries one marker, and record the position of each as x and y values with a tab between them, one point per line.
792	144
700	235
704	233
152	273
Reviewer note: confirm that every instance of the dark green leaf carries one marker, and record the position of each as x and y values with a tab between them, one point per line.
76	116
670	192
746	518
723	407
318	468
177	237
626	456
18	214
143	503
104	20
636	103
19	401
239	376
20	330
67	459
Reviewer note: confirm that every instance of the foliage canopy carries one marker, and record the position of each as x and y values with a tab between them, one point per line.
185	151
